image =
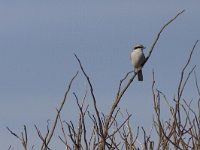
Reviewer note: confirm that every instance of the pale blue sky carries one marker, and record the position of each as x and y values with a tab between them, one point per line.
38	39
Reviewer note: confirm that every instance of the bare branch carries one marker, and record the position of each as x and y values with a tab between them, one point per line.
44	144
183	71
59	110
196	83
121	93
92	93
158	35
24	140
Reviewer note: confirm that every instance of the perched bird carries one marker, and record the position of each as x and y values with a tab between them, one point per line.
137	59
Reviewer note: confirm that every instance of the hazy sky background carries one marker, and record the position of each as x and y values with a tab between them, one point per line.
38	39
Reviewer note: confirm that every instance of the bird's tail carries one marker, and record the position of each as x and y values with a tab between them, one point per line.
140	76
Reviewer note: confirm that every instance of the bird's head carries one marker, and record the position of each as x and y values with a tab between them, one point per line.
140	46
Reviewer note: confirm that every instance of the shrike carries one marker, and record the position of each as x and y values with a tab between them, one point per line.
137	59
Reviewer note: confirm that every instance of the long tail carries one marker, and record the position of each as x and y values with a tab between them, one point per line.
140	76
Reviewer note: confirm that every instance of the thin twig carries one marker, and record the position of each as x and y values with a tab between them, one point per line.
183	70
92	93
59	110
121	93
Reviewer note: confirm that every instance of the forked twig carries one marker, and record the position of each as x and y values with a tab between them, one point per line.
180	86
121	93
23	138
92	93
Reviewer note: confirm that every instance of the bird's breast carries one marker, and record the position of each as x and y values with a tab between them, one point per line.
137	58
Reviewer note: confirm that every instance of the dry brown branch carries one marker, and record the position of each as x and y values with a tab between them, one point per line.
180	86
114	118
59	110
157	122
196	83
180	131
47	138
121	93
64	134
92	136
120	126
44	144
82	120
76	136
121	82
93	97
158	35
23	138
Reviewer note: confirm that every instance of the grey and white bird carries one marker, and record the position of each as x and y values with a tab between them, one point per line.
137	59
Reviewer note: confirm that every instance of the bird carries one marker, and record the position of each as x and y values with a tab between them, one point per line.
137	59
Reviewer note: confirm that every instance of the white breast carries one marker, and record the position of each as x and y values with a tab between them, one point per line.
137	57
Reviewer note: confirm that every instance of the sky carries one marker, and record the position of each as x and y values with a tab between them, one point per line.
38	40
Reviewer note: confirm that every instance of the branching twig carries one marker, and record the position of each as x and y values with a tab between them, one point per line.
93	97
23	138
121	93
180	86
59	110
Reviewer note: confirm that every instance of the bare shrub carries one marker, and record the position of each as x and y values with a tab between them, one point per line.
180	131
